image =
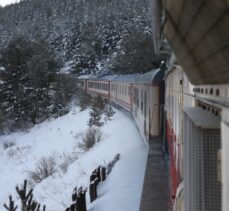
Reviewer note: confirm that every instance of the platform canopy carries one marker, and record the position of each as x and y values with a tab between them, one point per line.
198	33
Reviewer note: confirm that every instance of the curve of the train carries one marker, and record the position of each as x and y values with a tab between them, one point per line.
140	94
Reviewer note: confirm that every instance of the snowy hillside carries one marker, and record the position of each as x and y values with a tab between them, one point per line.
60	139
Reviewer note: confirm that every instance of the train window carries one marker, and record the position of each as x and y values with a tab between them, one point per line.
142	101
211	91
217	92
137	97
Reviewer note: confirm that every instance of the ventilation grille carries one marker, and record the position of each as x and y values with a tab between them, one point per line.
202	187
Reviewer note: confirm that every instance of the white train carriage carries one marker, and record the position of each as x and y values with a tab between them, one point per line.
82	82
146	102
193	137
121	90
137	93
99	86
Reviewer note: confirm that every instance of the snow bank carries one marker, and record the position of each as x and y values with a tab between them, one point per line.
122	189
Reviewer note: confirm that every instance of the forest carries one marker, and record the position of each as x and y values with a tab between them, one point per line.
87	35
40	38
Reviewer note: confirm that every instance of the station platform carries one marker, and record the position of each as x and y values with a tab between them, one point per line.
155	189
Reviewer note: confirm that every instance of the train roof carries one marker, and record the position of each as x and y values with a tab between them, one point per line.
102	78
84	76
154	76
126	78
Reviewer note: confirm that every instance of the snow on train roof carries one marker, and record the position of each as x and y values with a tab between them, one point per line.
154	76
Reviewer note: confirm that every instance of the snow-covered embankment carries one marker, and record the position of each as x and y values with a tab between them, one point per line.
122	189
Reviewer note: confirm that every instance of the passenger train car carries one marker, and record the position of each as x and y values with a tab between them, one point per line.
137	93
194	137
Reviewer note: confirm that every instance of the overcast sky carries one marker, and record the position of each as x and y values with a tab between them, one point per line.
5	2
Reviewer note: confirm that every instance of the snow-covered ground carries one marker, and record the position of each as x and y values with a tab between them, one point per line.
120	192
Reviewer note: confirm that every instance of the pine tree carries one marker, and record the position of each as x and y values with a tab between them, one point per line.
109	112
96	112
25	93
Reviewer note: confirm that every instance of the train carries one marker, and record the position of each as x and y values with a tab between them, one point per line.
163	102
188	103
188	116
137	93
195	134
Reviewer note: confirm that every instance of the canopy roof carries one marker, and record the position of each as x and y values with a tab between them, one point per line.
198	33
